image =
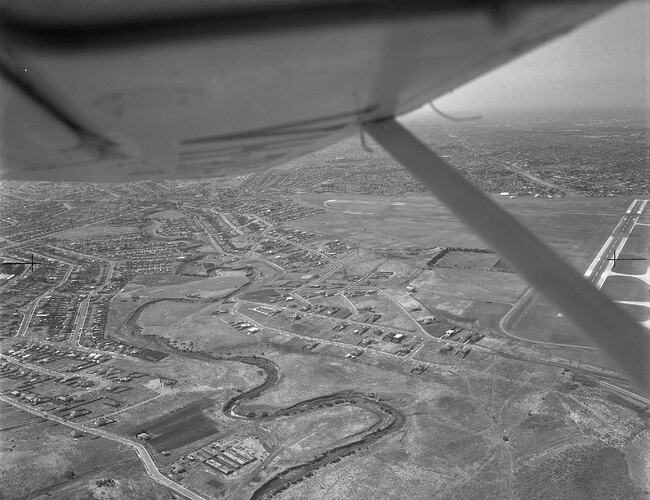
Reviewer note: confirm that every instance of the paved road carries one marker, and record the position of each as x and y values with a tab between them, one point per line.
142	452
599	268
227	221
80	320
208	232
27	317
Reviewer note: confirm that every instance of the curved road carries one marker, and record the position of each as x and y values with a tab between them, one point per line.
516	309
143	454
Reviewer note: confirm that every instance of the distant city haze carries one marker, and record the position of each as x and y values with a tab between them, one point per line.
599	68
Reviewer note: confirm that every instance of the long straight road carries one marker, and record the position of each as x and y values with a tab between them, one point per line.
600	267
27	317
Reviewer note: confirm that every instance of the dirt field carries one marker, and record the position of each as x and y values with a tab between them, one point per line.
179	428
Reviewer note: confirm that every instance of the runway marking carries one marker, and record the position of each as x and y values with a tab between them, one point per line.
607	243
600	254
610	264
635	210
618	237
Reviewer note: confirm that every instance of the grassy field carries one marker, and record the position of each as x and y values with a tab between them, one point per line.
541	321
576	227
470	284
626	288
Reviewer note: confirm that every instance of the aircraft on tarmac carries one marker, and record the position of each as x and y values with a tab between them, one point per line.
118	91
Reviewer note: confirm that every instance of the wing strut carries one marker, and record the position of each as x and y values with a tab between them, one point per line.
609	327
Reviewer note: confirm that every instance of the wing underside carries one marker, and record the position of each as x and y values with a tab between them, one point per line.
128	91
124	91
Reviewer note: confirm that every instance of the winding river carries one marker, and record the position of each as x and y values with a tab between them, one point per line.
390	419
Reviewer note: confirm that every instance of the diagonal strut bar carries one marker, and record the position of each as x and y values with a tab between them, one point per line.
620	336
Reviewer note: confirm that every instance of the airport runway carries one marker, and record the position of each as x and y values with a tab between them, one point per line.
601	266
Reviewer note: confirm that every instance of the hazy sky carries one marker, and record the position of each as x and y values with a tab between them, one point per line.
603	64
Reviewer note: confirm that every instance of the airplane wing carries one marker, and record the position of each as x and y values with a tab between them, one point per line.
123	91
